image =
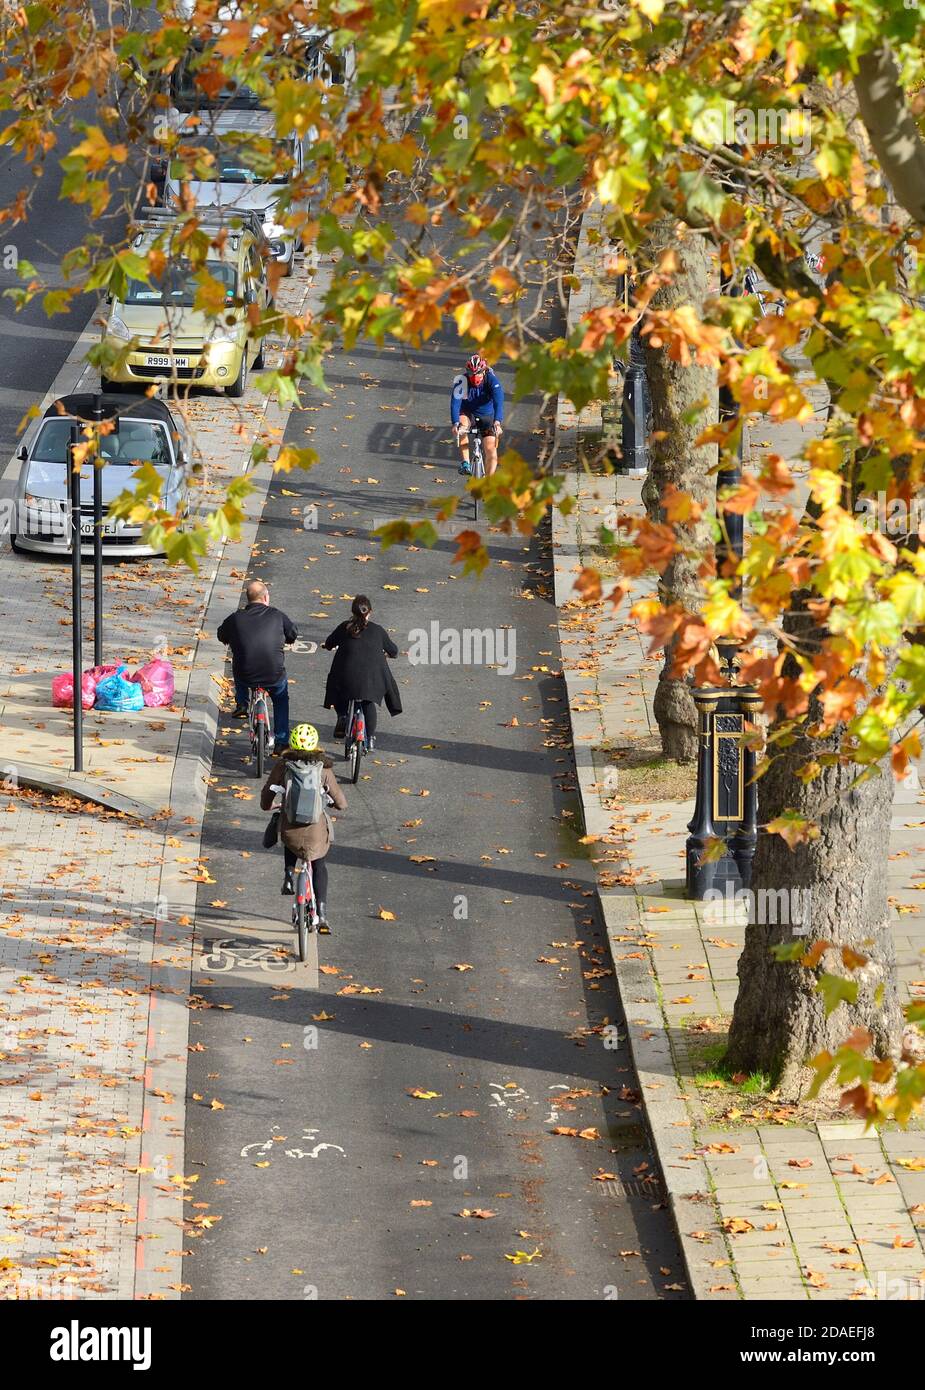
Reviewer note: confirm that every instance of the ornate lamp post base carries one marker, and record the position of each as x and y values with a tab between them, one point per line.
723	830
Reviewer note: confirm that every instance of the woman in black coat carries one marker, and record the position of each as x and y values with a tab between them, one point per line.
359	670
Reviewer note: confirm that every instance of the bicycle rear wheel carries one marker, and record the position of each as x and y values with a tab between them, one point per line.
348	730
261	748
302	912
356	757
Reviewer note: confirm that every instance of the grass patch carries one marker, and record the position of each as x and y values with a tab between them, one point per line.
644	774
713	1067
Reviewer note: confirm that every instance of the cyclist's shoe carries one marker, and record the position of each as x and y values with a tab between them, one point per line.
288	888
323	928
465	469
370	744
240	712
280	747
340	728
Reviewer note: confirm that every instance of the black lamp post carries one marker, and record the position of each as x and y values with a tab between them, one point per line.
77	639
636	407
726	805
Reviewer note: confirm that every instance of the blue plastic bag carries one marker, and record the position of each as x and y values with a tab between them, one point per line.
118	694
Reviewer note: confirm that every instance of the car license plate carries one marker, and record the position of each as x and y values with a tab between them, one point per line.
161	360
109	528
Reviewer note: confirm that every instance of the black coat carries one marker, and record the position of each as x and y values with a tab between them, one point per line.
256	635
359	670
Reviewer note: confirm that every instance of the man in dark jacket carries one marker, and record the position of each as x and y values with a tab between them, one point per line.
256	635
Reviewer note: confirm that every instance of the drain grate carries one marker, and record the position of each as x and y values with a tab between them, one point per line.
648	1189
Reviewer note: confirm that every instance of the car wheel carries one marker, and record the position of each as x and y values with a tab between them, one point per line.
15	544
259	360
239	385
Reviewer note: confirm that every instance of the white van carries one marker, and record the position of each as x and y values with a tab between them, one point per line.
240	182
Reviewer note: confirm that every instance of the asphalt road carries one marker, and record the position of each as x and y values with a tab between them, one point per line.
482	993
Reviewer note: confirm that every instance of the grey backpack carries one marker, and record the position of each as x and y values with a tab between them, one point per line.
303	799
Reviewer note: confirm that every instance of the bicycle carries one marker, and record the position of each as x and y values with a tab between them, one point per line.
477	464
258	719
356	744
304	909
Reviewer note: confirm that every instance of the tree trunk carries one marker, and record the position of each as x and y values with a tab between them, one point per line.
779	1022
676	393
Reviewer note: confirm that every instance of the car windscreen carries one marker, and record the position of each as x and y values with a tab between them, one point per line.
188	95
249	166
137	441
244	165
177	287
310	60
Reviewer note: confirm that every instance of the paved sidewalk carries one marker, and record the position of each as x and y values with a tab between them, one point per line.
766	1207
96	920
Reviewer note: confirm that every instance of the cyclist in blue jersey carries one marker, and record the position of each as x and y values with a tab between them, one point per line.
477	400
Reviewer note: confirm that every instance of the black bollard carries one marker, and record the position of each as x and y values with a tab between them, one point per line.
637	413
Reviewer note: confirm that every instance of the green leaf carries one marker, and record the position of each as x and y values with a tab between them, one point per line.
835	990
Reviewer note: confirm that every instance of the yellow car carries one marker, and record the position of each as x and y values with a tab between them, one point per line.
155	333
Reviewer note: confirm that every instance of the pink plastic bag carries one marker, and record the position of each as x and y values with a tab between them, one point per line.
156	681
62	687
62	692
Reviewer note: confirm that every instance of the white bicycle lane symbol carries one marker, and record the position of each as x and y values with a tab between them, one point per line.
273	1143
227	954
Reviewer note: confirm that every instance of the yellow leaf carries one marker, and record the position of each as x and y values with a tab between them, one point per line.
544	79
473	318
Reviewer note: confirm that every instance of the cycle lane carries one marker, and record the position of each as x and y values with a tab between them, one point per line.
464	1010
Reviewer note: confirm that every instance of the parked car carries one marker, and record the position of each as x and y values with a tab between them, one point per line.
147	432
155	333
244	177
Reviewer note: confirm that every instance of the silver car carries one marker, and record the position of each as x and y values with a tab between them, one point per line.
147	432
